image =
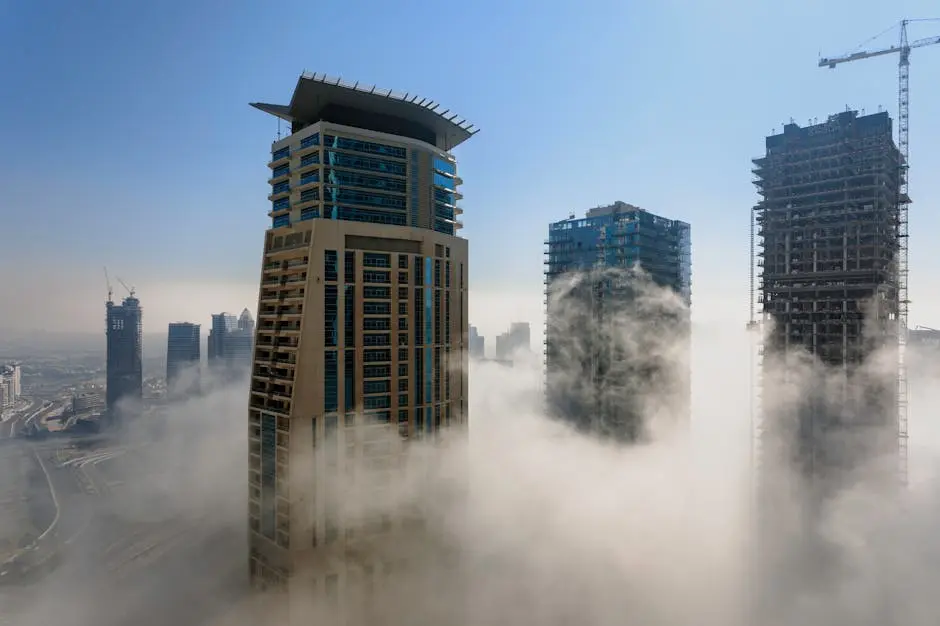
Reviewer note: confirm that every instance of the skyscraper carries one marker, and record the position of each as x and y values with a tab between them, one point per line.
230	342
124	359
182	356
362	328
827	258
616	348
476	343
222	324
828	241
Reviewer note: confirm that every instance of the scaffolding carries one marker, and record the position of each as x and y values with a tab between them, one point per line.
826	250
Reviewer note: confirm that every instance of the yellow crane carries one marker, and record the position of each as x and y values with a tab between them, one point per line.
903	49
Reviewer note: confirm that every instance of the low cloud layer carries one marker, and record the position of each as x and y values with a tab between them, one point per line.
526	521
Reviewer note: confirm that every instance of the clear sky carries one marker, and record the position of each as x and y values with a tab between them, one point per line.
127	139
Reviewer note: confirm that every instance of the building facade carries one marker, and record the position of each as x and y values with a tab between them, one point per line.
124	390
361	341
517	339
477	344
10	385
827	227
183	355
230	344
611	334
828	237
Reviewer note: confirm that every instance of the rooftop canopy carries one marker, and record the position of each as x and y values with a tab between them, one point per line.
320	98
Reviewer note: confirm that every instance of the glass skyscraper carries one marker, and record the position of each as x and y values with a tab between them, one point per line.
607	337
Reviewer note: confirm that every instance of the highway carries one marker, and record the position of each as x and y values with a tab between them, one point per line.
136	563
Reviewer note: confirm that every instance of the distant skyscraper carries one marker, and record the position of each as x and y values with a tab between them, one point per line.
477	344
361	336
230	343
10	385
182	354
517	339
222	324
124	355
604	337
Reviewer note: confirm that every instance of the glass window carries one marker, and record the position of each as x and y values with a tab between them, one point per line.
444	166
376	276
280	204
343	195
339	159
444	181
280	220
310	159
330	381
280	154
281	187
377	293
356	145
376	386
281	170
355	179
376	259
312	140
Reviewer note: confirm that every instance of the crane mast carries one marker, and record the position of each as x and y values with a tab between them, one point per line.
903	49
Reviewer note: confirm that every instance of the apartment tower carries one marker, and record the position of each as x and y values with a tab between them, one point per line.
618	291
361	341
124	357
182	357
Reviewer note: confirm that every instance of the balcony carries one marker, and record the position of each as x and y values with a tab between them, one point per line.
280	157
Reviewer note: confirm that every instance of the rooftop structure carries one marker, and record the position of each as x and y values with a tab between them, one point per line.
319	98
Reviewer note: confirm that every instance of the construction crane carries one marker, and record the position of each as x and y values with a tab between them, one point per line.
130	290
107	281
903	49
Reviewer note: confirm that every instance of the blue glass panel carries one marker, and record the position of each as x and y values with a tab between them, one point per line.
280	154
330	381
281	203
445	166
352	161
280	171
309	214
312	140
280	220
444	181
357	145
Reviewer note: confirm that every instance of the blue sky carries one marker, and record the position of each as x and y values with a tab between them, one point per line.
127	139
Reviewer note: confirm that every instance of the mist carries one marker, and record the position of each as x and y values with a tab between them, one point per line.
526	520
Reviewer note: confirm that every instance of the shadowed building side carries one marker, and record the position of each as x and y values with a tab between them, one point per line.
183	356
124	329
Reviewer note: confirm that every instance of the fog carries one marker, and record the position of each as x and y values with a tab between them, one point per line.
527	521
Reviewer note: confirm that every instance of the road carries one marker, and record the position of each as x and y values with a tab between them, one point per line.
13	425
137	565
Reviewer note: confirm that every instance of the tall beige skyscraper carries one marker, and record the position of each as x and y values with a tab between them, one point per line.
362	337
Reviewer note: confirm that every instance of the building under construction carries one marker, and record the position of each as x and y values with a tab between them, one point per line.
616	343
829	230
124	356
